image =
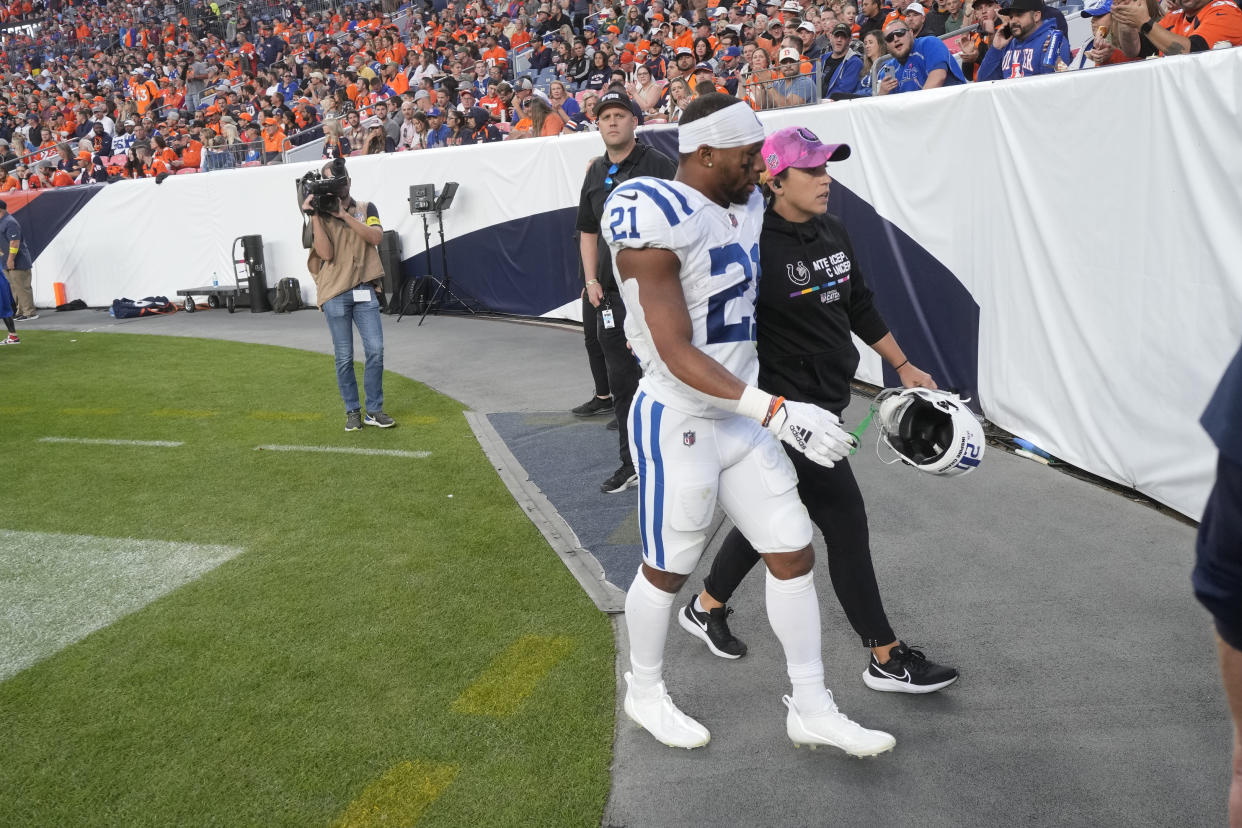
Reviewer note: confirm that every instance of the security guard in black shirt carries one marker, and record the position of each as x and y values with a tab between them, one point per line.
623	159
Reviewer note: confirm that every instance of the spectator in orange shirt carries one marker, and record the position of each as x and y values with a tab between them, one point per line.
145	92
161	150
273	140
38	179
191	153
682	35
61	178
13	180
1199	25
520	36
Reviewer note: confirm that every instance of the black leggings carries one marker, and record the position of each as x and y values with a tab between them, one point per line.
8	323
836	506
595	351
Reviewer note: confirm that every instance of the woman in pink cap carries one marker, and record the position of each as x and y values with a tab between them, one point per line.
811	297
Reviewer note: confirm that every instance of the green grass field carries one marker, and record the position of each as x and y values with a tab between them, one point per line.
394	644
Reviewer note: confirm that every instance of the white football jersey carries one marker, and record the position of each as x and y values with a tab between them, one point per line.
719	252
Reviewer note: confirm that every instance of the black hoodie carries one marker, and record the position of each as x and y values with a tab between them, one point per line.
811	295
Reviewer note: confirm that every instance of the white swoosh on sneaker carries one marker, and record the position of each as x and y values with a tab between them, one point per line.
905	674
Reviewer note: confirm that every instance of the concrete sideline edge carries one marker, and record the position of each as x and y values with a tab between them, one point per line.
555	530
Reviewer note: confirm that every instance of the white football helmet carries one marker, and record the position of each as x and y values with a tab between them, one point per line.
933	431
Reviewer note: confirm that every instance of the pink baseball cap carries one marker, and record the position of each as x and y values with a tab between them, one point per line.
799	147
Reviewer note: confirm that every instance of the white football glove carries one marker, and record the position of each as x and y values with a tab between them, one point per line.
813	431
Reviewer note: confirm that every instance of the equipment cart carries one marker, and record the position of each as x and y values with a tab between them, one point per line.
245	268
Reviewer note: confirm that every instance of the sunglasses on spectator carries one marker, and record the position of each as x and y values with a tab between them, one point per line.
611	172
893	35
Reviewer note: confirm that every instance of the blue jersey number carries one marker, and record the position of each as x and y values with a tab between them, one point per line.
717	329
618	218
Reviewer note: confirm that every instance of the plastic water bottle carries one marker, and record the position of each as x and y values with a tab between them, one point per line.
215	279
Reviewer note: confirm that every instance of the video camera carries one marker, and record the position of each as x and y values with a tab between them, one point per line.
325	191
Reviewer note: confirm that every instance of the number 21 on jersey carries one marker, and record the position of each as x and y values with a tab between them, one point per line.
619	223
718	329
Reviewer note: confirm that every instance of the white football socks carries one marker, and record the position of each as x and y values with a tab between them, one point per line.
647	611
793	612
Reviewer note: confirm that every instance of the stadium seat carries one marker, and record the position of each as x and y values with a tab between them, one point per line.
117	161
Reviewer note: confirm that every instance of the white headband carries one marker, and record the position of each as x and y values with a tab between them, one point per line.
733	126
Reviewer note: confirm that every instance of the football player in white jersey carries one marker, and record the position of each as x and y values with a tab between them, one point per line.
686	252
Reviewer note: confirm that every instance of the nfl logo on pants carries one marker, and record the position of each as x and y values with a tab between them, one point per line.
688	438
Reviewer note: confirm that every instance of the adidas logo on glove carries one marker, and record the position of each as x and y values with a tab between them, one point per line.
801	435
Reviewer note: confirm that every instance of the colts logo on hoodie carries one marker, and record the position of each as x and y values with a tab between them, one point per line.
800	275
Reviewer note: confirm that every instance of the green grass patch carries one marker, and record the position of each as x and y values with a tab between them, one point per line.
279	687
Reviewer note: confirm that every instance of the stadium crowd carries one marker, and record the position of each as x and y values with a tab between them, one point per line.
111	89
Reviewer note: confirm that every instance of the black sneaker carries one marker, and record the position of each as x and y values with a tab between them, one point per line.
712	628
353	421
907	671
378	419
592	407
622	479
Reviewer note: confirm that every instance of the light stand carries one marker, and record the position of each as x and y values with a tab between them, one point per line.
424	202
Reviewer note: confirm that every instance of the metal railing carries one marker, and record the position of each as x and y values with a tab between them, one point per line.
780	92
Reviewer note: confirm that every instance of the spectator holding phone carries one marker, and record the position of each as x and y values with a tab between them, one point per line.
920	63
875	59
1028	45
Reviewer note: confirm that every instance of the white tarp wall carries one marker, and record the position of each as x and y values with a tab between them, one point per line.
1093	217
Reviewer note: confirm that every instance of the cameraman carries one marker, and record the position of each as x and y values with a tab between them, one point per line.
345	264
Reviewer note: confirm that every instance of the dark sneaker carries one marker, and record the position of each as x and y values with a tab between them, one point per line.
592	407
907	671
353	421
712	628
622	479
612	424
379	419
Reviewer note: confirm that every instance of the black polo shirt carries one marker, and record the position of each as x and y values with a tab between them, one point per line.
642	160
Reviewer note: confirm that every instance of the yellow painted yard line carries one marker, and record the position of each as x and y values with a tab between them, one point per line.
512	677
423	420
399	797
16	409
186	413
287	416
91	412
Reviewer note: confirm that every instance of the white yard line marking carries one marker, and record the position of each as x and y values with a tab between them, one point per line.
90	441
417	455
57	589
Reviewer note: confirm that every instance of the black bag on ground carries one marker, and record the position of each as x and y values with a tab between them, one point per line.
288	296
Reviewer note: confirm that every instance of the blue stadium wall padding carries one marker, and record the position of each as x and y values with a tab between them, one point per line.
524	266
43	217
930	312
